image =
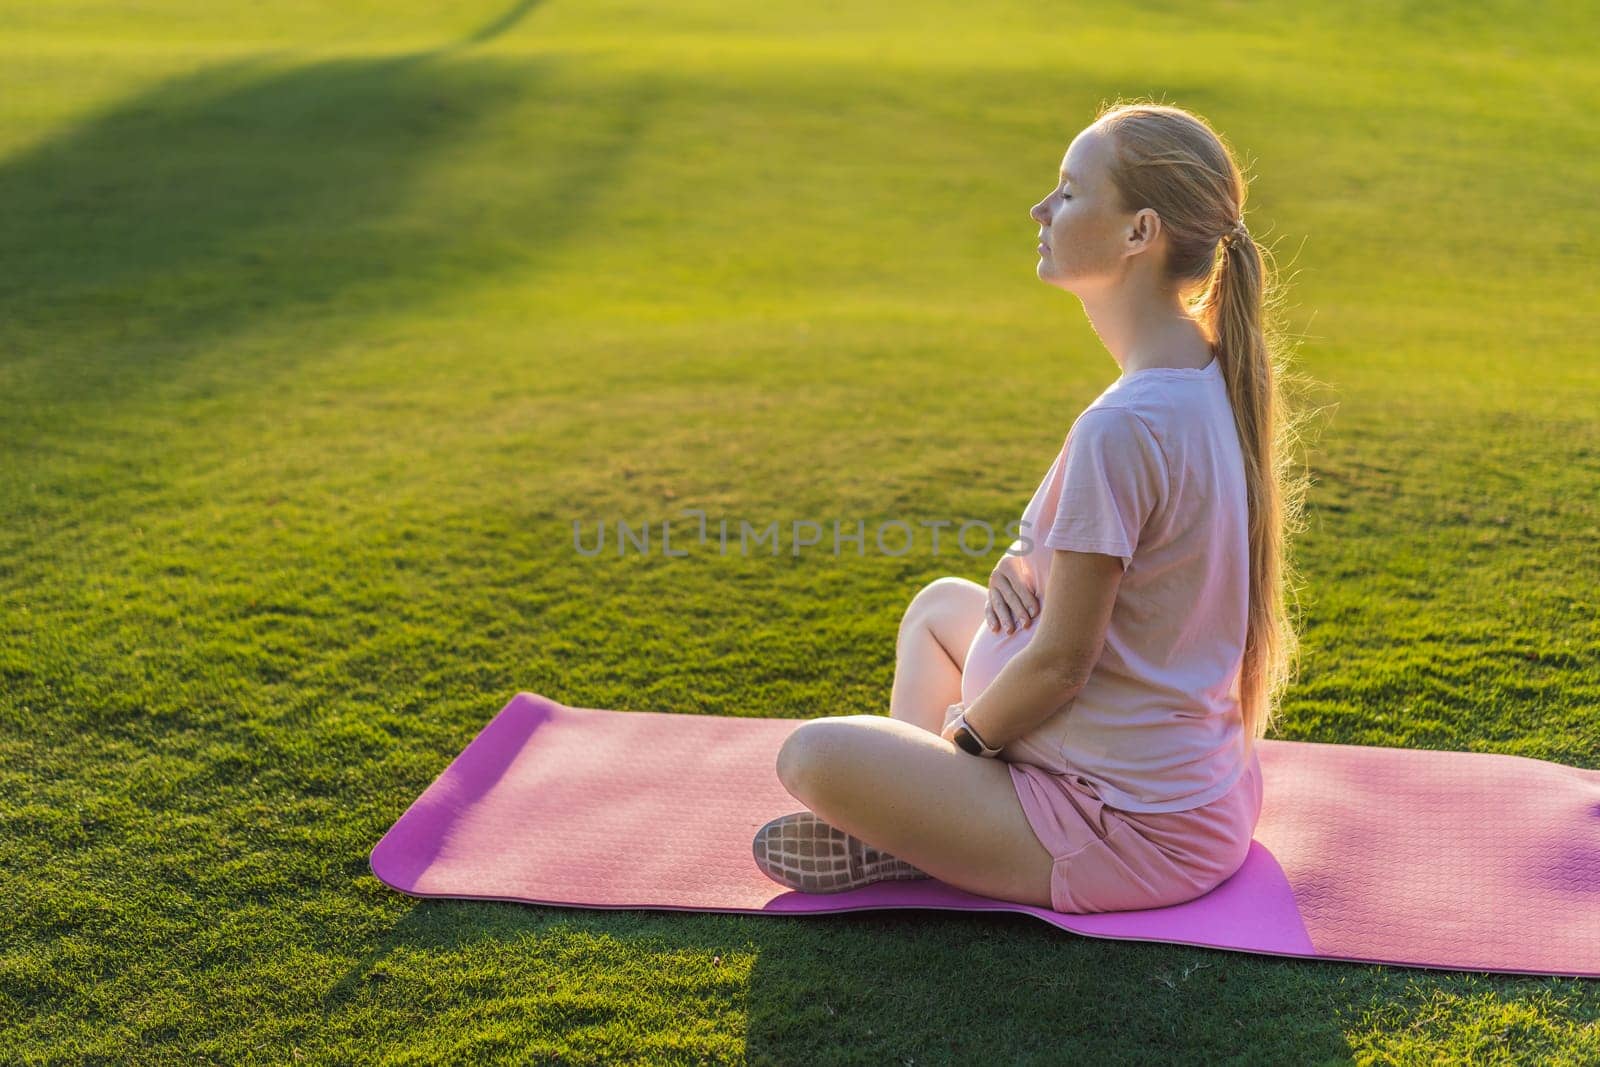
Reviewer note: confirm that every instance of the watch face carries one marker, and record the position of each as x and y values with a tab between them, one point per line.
967	742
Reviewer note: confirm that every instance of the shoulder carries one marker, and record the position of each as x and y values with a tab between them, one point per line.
1123	424
1120	436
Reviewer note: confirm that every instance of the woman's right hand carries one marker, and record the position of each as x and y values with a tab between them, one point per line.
1013	595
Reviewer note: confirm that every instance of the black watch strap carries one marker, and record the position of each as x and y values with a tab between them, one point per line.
969	741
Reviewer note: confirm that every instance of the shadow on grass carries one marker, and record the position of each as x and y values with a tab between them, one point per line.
800	1002
247	195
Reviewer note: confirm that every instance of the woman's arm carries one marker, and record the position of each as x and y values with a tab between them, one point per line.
1055	665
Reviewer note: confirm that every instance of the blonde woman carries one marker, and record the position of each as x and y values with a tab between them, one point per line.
1080	735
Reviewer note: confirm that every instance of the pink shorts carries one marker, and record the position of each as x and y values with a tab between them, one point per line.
1107	859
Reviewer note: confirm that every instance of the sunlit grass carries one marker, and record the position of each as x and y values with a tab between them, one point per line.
319	327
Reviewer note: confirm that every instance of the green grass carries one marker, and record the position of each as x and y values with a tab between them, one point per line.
320	324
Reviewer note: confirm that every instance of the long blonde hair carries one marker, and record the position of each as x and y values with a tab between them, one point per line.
1172	161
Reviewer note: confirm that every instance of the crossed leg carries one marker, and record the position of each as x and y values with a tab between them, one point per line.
896	784
931	650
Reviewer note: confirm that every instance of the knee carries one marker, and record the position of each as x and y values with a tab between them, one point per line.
929	600
802	752
795	756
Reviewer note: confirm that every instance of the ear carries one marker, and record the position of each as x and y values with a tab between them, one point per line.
1146	229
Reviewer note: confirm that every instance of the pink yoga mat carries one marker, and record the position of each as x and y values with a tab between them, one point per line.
1459	860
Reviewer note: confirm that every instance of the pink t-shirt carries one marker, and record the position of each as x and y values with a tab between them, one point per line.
1150	472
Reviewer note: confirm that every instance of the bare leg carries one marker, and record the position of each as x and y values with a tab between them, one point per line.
931	650
910	799
881	804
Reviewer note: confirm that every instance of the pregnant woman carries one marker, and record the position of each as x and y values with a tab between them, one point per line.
1080	735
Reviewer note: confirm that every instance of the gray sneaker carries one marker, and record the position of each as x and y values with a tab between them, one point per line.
803	852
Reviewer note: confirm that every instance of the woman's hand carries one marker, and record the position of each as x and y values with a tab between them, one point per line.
1013	596
949	731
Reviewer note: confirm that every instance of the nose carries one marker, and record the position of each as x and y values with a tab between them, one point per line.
1038	215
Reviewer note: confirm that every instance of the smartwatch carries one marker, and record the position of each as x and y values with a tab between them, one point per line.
966	737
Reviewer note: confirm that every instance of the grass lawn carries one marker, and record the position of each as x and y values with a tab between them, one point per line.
321	323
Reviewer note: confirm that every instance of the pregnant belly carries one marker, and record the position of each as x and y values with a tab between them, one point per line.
987	653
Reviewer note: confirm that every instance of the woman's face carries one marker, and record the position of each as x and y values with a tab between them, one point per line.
1082	235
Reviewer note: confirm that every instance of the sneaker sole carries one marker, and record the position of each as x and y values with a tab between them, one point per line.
805	853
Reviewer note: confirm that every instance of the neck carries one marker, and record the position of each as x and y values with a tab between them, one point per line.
1142	334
